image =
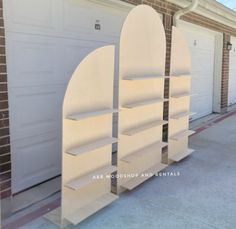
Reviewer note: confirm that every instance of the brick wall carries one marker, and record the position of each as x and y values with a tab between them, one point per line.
225	74
5	157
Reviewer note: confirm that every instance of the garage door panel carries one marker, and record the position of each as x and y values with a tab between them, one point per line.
109	18
202	87
202	75
65	19
200	39
35	110
32	60
202	61
202	50
41	60
202	105
41	149
25	17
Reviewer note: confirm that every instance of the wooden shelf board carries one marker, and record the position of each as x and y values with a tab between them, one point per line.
134	182
91	114
182	134
91	208
182	115
144	151
84	180
144	103
179	156
180	95
143	77
180	75
144	127
92	146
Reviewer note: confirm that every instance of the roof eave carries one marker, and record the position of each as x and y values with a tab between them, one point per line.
212	10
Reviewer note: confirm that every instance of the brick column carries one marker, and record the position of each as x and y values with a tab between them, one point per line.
225	74
5	156
167	21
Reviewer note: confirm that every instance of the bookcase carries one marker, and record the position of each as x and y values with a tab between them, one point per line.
87	137
141	97
179	101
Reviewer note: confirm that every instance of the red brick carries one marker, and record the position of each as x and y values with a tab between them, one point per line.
4	123
5	158
5	176
5	167
4	149
4	141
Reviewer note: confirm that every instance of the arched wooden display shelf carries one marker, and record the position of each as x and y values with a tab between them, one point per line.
87	137
141	96
179	103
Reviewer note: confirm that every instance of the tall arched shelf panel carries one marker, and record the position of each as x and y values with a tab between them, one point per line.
179	102
87	137
141	97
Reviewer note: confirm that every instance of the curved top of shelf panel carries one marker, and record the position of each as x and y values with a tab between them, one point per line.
142	43
180	55
91	85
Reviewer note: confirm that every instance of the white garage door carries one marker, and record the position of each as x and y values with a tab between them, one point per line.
46	39
202	49
232	74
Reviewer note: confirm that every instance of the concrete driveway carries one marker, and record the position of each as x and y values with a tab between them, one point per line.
199	194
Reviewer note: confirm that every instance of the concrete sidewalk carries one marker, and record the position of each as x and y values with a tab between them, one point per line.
203	196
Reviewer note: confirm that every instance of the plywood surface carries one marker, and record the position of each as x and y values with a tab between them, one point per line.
87	136
90	114
91	146
82	181
180	92
144	127
143	176
90	209
179	156
143	103
141	92
143	152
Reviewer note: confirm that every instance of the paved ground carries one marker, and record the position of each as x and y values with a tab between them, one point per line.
202	197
